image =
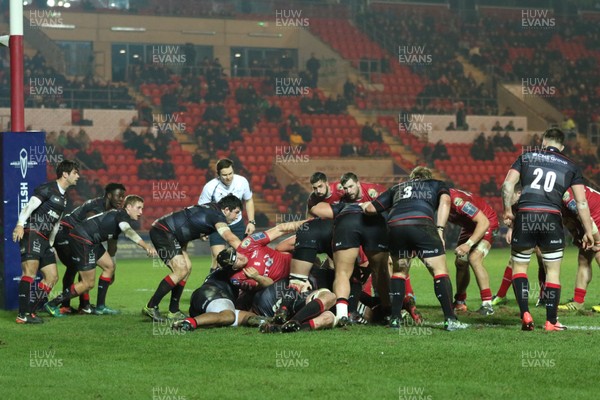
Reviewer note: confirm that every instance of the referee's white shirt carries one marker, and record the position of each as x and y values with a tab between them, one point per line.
215	190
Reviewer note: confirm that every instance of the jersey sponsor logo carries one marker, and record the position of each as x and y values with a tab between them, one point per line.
246	242
91	258
268	260
556	241
458	202
258	236
37	246
53	214
469	209
372	192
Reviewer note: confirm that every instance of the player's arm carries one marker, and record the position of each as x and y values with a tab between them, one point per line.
287	245
262	281
251	227
508	190
33	203
132	235
54	232
322	210
227	235
205	195
282	229
583	212
482	224
443	212
380	204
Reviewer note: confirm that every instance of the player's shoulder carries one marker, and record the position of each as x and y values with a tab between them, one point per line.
240	180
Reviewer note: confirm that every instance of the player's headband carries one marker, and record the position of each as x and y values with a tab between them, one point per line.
227	257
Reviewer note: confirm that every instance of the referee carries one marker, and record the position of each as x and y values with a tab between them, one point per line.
227	182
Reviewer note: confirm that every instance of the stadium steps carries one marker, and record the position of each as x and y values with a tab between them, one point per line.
470	69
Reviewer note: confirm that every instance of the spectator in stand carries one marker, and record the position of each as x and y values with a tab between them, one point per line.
249	116
62	140
349	91
368	133
451	126
568	125
147	169
440	152
508	112
273	113
270	182
90	158
131	140
497	127
146	149
461	117
497	140
296	140
312	66
348	149
510	126
199	160
507	143
488	150
489	188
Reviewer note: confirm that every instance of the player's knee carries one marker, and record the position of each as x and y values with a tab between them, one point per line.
461	263
226	317
328	298
327	320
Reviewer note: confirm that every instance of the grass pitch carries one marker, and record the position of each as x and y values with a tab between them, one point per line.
129	357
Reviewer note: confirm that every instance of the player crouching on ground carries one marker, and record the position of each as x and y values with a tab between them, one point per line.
88	251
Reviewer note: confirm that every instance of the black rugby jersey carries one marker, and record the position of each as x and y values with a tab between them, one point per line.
93	206
101	227
43	218
191	222
546	175
411	203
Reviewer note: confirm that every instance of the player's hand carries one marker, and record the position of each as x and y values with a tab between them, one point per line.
250	228
18	233
509	236
151	251
204	238
250	272
587	241
462	250
508	218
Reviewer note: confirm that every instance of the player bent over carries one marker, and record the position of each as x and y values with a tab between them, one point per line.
114	194
585	257
35	231
212	304
413	233
88	251
170	235
479	224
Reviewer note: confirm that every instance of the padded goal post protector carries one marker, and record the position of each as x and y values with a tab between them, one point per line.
23	169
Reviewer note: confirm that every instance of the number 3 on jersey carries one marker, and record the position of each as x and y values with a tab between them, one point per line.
549	181
407	192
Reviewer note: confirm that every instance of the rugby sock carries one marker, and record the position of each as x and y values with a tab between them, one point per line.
308	325
312	310
397	290
552	296
579	296
84	300
506	282
165	286
41	296
103	284
443	291
486	294
67	281
175	296
24	294
460	297
355	289
341	308
521	287
67	294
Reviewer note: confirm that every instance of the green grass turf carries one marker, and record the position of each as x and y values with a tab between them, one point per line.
127	357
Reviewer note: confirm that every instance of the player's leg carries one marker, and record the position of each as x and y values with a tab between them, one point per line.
476	257
374	240
500	297
316	304
552	260
177	291
49	272
400	270
463	278
29	268
584	277
87	272
541	301
344	265
219	312
108	269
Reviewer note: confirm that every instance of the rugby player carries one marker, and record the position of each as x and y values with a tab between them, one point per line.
545	175
212	304
351	230
170	235
413	233
323	191
114	194
227	182
36	228
585	257
87	251
479	225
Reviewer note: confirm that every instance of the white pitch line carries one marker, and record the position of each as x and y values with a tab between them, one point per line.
569	327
